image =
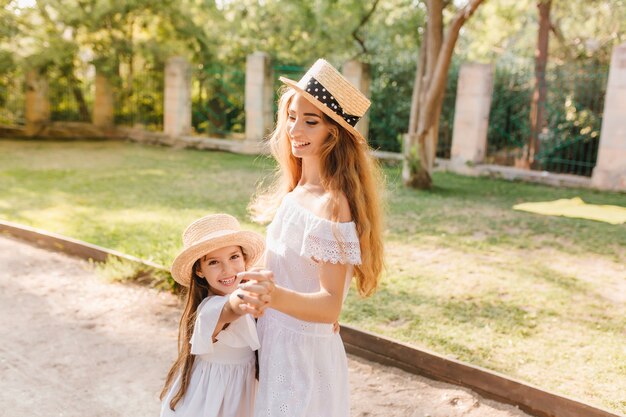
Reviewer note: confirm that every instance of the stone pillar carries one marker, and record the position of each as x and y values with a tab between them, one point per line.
259	98
37	112
359	76
104	102
610	170
471	114
177	98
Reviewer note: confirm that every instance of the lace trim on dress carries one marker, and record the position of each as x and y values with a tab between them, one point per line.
315	237
331	250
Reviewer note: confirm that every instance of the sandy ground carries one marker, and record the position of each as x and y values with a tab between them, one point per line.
74	345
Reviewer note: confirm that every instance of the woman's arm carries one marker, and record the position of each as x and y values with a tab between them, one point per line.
323	306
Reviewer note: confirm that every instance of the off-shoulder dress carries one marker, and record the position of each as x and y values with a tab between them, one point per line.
303	365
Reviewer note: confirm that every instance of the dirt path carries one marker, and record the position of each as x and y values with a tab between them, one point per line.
74	345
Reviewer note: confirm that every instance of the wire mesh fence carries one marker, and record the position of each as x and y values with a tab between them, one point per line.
139	98
391	92
218	99
570	132
70	98
567	142
293	72
12	99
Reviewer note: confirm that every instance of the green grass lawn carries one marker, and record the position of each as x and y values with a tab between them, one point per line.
542	299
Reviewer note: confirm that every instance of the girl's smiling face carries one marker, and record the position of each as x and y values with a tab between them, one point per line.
220	269
306	127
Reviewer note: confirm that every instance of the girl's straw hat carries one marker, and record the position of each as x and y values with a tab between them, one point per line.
208	234
330	92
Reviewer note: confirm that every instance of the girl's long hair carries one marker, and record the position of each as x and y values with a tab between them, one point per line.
198	291
346	167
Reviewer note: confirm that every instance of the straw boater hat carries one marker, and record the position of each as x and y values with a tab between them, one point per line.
330	92
208	234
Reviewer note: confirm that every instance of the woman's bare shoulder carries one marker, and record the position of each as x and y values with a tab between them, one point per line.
336	204
325	204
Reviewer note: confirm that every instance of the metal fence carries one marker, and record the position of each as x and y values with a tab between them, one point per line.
568	141
569	137
217	100
71	99
139	98
391	92
293	72
12	99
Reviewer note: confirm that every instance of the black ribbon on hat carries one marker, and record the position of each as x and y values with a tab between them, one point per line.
321	94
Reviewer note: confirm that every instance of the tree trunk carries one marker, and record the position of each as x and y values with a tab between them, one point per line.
83	109
413	155
538	103
431	77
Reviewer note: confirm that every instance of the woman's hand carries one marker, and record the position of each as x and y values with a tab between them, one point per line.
256	292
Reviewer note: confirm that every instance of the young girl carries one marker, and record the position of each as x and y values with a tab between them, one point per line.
214	374
326	228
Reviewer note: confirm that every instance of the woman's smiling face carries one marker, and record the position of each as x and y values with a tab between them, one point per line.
306	127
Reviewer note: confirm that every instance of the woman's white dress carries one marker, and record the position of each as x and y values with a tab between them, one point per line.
222	382
303	365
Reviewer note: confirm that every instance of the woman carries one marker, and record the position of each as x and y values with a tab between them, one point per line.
326	229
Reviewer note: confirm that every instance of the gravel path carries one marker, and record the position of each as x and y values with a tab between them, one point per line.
75	345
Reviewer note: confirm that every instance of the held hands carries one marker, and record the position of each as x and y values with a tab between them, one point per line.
256	293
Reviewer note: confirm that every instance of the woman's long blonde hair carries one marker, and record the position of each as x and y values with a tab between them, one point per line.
346	167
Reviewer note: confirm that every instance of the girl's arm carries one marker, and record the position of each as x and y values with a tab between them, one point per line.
236	307
231	311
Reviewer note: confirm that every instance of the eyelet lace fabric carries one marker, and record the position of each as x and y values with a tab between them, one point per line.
219	366
303	366
311	236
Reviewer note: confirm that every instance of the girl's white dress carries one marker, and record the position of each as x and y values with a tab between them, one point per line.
222	382
303	365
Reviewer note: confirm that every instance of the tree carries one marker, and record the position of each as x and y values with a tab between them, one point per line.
430	81
538	102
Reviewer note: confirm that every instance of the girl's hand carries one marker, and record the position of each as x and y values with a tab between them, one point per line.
256	293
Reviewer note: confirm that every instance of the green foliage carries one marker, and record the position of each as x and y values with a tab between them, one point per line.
413	159
507	29
8	24
509	118
392	89
131	40
117	269
11	91
218	100
140	96
573	113
7	62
